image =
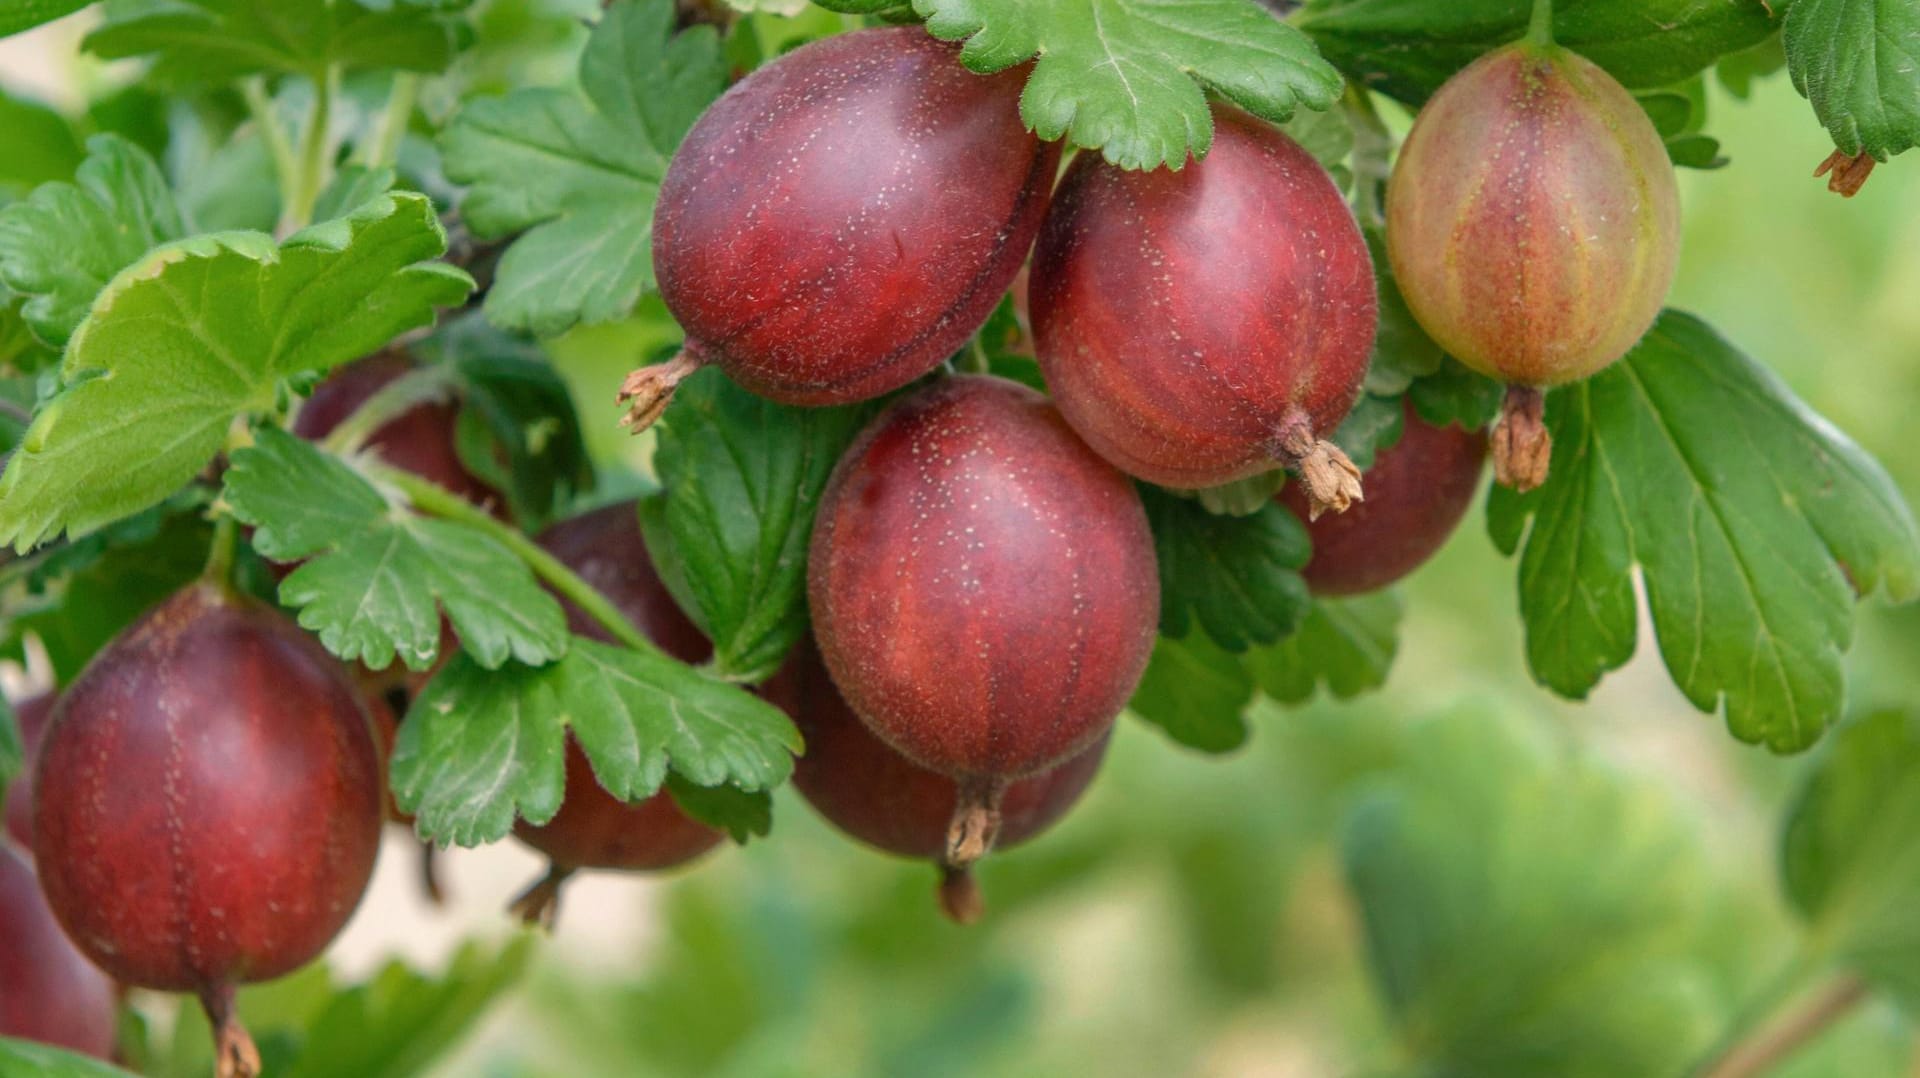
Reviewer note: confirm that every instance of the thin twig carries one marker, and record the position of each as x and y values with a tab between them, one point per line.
1771	1044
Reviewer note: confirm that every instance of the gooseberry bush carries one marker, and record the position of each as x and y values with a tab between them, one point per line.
1004	374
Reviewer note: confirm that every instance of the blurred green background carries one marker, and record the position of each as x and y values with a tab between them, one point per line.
1596	883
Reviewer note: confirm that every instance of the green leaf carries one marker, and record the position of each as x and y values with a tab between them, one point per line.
18	15
397	1023
203	331
61	246
1751	519
740	813
1402	351
1407	48
480	747
376	580
202	41
37	144
352	187
1238	578
1523	913
1129	77
29	1058
1196	691
528	440
578	172
1375	423
1851	851
1855	61
91	588
743	478
1348	645
1456	395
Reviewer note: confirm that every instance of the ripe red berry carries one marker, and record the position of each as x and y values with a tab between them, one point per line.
593	829
207	803
421	440
1201	326
844	219
887	801
1533	223
1417	491
48	991
32	714
983	588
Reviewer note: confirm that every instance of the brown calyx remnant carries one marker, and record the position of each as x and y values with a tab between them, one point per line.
1846	173
539	905
976	823
1522	448
647	391
1329	476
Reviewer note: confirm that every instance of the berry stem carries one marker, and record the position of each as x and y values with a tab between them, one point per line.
234	1051
539	905
434	500
1540	27
272	132
381	150
1372	157
220	554
316	158
1775	1042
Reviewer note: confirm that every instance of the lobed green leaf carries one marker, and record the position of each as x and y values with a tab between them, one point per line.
1348	645
1407	48
203	41
1195	691
578	172
201	332
1129	77
376	579
481	747
1855	61
1754	524
743	478
61	246
1237	578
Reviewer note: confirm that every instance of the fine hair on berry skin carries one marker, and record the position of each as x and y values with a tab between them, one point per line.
207	804
872	793
1533	224
1204	325
984	589
843	219
593	829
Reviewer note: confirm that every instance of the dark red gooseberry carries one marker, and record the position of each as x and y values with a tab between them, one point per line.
32	714
593	829
887	801
983	588
207	803
48	991
1417	491
1533	223
844	219
1200	326
420	440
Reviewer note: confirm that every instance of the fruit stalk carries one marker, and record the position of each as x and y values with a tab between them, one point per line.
421	385
234	1050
